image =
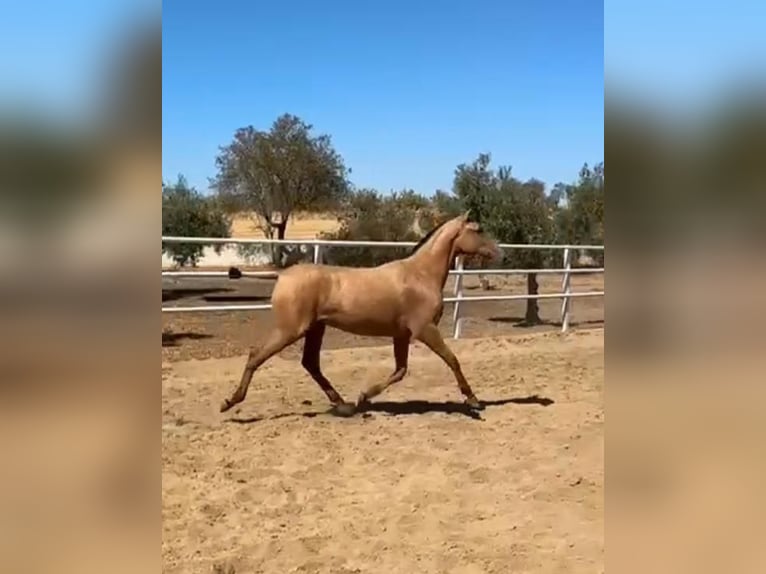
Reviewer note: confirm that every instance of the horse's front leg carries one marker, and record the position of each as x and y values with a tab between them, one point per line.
432	338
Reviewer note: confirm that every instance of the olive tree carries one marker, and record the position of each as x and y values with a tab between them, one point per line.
273	174
187	213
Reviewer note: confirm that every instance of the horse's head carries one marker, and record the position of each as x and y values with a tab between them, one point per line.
470	239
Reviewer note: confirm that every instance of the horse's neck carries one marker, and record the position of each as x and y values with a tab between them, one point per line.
435	257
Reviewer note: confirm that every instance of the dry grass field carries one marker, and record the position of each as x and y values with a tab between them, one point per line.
301	226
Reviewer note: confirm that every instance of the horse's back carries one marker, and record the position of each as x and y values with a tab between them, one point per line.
361	300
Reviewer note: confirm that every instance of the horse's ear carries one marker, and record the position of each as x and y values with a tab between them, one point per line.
467	215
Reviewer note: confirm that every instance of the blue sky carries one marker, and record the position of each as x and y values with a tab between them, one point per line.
53	54
407	90
682	55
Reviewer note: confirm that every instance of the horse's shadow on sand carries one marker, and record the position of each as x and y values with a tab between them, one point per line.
416	407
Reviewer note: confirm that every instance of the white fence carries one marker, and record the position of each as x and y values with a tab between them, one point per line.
566	294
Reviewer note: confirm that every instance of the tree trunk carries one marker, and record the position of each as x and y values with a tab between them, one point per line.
533	311
278	249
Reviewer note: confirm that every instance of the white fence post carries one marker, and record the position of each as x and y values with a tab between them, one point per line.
457	321
317	254
566	289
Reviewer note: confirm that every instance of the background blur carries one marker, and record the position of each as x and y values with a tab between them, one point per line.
80	153
686	144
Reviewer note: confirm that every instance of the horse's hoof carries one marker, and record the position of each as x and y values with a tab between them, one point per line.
344	410
474	403
226	405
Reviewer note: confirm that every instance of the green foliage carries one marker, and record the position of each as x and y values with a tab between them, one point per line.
474	188
370	216
447	204
508	209
275	173
521	213
582	220
187	213
278	172
409	199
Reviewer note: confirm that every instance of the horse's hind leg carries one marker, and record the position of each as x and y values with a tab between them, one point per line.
401	354
311	347
277	340
432	338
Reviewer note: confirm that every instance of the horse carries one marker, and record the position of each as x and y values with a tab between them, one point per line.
401	300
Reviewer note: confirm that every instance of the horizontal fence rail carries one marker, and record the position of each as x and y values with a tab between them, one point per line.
567	271
349	243
266	306
272	274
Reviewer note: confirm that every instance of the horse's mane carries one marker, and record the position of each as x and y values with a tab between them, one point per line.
427	236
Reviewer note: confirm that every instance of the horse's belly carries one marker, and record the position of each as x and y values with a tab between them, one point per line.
368	327
362	307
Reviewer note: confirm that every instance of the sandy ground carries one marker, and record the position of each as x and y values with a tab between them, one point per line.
416	484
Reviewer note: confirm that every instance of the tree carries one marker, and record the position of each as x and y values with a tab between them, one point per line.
582	220
447	204
522	213
418	207
276	173
370	216
511	210
187	213
473	186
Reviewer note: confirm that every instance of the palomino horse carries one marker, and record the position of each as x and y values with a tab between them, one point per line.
401	299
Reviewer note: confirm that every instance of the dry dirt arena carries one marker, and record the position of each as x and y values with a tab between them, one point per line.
417	484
